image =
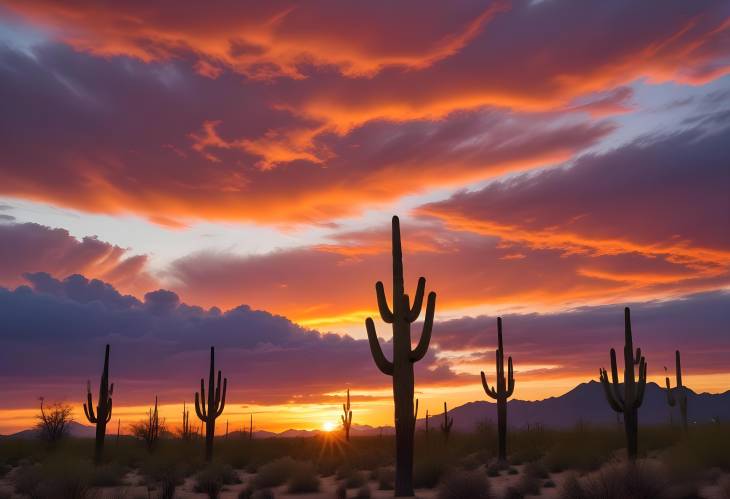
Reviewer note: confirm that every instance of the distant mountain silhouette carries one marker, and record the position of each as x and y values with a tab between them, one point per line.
587	403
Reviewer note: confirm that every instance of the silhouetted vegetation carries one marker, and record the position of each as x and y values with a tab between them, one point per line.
501	391
401	316
103	409
208	411
677	396
53	422
627	398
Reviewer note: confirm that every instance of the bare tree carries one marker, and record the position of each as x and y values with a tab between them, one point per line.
149	429
53	421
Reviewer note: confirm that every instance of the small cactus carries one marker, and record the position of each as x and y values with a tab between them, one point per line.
630	400
347	417
250	428
678	394
401	316
447	424
151	431
186	432
216	402
103	410
502	391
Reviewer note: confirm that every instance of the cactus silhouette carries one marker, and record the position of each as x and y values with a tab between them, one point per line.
250	428
103	410
630	400
210	411
186	432
347	417
400	368
151	431
501	391
447	424
678	395
426	423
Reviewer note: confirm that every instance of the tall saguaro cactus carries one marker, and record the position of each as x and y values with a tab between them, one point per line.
103	409
678	395
629	399
347	417
401	316
215	404
502	391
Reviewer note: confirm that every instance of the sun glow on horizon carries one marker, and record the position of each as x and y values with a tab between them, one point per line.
328	426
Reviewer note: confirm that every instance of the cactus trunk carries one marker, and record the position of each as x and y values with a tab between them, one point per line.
502	391
103	409
630	400
401	367
215	404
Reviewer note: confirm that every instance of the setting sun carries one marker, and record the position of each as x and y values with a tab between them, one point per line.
328	426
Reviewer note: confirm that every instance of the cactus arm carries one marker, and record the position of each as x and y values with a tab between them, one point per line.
385	312
491	392
415	413
223	397
422	347
89	416
415	310
385	366
200	413
614	376
510	378
639	398
89	406
109	411
608	392
637	358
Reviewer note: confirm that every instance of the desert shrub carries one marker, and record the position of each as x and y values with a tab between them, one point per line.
55	479
494	468
512	471
350	477
275	473
529	485
163	471
4	469
548	484
513	493
471	462
108	475
620	481
536	469
704	449
428	471
363	492
461	484
572	488
263	494
211	479
385	478
341	491
303	479
724	488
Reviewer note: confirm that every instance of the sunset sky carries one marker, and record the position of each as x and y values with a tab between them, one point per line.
176	175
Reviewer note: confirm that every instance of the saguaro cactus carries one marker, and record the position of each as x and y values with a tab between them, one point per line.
103	409
447	424
216	403
250	428
630	400
502	391
426	423
150	432
400	368
678	395
347	417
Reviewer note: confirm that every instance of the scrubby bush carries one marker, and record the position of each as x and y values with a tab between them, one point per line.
618	481
108	475
274	473
428	471
363	492
462	484
385	478
513	493
513	471
303	479
211	479
350	477
55	479
536	469
341	491
529	485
